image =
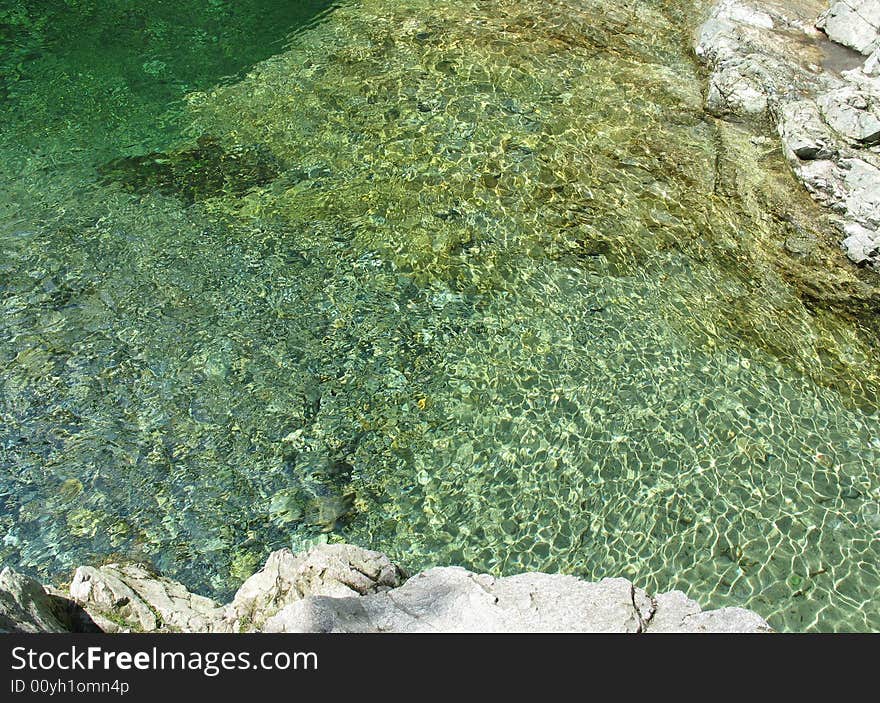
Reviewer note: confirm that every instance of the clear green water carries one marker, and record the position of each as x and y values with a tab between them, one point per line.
470	283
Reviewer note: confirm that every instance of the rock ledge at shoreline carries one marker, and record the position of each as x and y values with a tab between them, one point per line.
343	588
769	61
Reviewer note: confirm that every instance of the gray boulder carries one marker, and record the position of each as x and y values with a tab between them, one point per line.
805	135
333	570
862	245
452	599
863	192
25	606
130	598
853	23
675	612
343	588
831	143
872	65
853	111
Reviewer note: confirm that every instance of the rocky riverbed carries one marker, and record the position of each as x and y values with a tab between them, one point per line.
817	80
472	283
343	588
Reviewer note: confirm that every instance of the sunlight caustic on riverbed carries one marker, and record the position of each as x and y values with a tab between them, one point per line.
468	283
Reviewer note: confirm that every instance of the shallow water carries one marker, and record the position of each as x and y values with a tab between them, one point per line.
469	284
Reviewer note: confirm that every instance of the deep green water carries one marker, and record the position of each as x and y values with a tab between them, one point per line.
469	283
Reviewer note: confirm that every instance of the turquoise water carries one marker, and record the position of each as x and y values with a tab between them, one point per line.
466	283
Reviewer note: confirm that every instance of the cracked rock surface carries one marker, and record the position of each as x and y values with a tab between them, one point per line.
130	598
451	599
853	23
758	56
343	588
334	570
25	606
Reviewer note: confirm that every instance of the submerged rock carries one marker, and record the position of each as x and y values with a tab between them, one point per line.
343	588
207	170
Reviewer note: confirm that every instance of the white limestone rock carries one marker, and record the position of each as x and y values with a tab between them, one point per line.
862	245
130	598
343	588
452	599
740	88
675	612
853	112
25	606
829	123
863	192
853	23
749	53
335	570
805	136
872	65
